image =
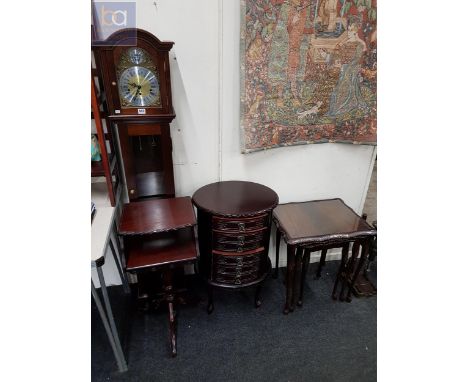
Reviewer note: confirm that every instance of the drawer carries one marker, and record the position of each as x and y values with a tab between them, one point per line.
240	224
234	279
236	261
238	271
238	242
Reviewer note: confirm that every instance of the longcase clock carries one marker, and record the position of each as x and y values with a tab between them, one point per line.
136	77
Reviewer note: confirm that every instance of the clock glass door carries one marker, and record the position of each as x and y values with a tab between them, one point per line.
138	78
149	165
147	156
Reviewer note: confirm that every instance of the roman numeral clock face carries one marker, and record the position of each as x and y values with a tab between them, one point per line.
139	86
138	80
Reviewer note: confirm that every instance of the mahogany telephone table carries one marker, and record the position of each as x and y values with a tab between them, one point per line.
234	220
159	233
320	225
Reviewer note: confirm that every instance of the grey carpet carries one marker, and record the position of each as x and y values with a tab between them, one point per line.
325	340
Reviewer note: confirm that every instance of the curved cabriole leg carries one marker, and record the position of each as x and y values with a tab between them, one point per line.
289	278
349	269
210	306
323	255
297	277
372	253
305	268
258	302
278	242
344	258
362	260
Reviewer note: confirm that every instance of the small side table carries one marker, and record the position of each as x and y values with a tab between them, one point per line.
159	233
320	225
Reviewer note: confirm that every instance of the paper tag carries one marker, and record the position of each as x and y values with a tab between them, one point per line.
141	111
117	112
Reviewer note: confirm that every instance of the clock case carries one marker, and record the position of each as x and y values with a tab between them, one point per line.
145	140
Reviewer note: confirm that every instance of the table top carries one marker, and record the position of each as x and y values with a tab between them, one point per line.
235	198
100	231
320	221
161	249
156	215
100	193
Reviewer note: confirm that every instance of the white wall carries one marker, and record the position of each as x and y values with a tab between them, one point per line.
205	132
193	26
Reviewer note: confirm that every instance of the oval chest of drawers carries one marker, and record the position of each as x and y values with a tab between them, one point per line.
234	220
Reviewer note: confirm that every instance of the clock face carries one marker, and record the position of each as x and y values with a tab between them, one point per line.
138	79
139	87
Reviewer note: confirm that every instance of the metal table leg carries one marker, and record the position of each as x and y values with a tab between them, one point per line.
108	321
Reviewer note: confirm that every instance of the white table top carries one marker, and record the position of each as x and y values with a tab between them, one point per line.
99	194
100	232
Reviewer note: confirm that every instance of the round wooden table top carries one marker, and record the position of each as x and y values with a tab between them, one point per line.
235	198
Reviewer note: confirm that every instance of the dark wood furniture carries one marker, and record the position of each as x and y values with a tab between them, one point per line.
364	287
136	80
234	220
320	225
159	234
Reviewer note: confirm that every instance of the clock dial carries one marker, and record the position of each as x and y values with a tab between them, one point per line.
139	86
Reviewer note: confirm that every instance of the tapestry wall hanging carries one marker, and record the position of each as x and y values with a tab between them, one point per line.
308	72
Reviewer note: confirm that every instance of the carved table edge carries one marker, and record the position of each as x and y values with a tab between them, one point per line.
324	239
140	233
244	215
